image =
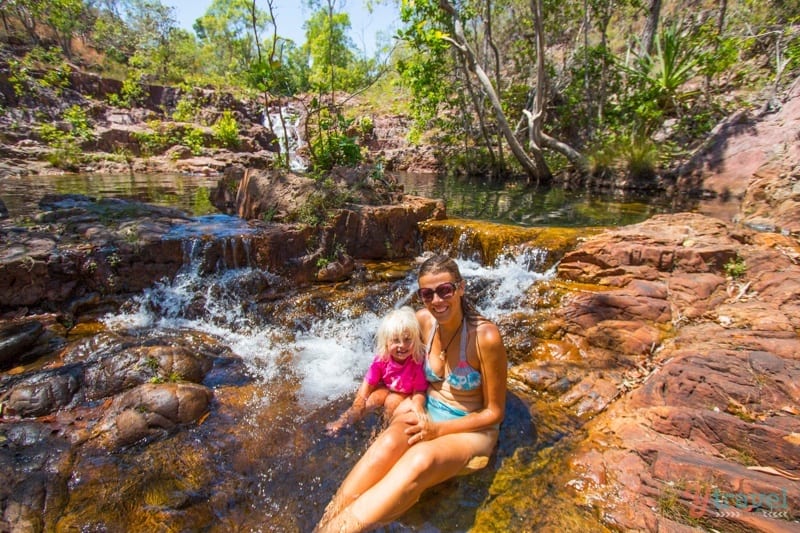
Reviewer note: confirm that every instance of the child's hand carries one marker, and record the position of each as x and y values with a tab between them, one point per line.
332	429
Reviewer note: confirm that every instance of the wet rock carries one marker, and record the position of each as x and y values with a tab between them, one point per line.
337	270
490	242
85	246
16	339
151	410
34	467
99	375
43	392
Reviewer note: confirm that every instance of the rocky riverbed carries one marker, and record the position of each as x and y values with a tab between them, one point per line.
656	388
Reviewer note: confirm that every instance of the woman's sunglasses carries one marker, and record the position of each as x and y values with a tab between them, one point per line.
443	291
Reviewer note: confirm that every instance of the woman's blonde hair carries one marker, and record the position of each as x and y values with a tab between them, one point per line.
395	324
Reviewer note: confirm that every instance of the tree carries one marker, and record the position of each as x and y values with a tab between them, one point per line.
330	51
226	33
439	20
650	27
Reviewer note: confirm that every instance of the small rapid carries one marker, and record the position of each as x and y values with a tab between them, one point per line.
328	352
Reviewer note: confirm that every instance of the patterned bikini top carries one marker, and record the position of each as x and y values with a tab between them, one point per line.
463	377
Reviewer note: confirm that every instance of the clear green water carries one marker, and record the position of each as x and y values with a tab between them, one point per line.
530	206
474	199
192	194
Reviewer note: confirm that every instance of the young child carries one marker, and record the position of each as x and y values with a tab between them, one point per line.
396	371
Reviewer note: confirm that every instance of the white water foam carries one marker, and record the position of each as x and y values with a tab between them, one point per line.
333	353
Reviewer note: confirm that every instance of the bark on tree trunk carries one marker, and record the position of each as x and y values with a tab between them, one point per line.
650	27
460	42
539	98
533	164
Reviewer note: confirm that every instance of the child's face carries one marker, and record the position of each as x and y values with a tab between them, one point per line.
400	346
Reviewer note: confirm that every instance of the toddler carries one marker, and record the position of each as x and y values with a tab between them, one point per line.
396	371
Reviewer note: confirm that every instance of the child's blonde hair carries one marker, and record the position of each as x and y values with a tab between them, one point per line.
394	324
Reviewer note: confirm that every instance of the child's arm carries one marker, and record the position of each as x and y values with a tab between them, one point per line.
355	412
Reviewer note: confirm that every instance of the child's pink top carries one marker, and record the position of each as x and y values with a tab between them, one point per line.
405	377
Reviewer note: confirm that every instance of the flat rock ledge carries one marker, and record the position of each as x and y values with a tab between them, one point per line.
81	253
680	351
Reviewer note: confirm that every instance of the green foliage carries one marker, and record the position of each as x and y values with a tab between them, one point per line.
79	123
226	38
226	130
66	144
186	109
637	156
156	141
580	110
18	76
365	126
162	136
735	268
330	53
333	149
655	80
316	209
130	95
426	64
55	76
193	139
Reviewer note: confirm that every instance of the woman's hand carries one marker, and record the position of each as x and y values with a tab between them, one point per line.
424	429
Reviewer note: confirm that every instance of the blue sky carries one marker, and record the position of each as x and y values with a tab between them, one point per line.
291	14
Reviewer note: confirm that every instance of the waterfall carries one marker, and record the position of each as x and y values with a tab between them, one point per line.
288	130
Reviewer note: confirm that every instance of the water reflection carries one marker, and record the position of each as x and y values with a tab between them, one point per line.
507	203
21	194
518	204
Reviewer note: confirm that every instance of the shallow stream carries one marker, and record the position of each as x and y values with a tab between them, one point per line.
283	367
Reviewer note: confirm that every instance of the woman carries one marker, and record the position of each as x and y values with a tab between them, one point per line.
466	370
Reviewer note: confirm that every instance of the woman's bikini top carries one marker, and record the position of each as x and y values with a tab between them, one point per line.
463	377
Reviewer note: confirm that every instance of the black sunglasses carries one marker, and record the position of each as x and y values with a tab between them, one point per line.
443	291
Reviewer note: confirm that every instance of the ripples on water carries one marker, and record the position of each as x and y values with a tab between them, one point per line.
314	356
21	194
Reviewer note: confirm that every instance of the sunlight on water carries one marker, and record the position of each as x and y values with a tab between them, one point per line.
217	225
333	353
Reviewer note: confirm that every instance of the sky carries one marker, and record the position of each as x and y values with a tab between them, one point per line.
291	14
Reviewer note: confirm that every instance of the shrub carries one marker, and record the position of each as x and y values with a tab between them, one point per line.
186	110
226	130
130	95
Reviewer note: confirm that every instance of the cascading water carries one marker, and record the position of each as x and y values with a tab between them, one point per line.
329	353
285	124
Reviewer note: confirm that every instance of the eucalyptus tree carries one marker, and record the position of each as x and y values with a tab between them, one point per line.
333	67
143	35
228	33
433	28
333	62
62	17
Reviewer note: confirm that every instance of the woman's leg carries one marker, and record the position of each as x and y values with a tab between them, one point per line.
379	458
422	466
